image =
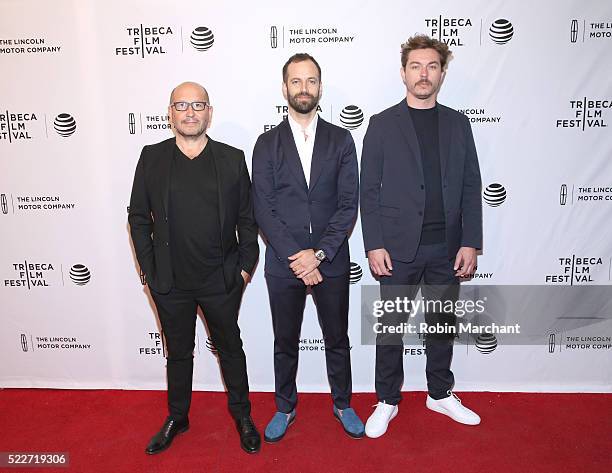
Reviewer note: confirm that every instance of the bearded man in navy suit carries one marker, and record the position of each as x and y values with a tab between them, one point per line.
305	194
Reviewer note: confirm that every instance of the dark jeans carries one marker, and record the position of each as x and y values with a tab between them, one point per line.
433	267
287	301
177	314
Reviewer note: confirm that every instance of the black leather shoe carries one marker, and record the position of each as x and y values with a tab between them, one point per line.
250	440
162	439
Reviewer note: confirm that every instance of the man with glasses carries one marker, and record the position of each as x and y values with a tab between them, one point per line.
190	197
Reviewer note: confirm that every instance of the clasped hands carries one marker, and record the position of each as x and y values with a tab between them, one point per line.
304	265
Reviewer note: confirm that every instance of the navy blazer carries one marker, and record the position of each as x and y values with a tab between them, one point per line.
148	214
393	186
286	208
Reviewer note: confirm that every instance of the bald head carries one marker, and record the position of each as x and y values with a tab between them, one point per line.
192	89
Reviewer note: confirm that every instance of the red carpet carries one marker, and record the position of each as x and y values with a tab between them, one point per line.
106	431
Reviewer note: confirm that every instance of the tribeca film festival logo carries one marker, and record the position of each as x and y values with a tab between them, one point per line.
28	46
580	342
145	41
458	31
140	122
576	270
19	126
585	194
34	203
479	115
280	36
583	30
156	345
32	343
588	113
29	275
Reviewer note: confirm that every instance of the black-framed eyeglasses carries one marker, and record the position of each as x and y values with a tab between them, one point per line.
196	106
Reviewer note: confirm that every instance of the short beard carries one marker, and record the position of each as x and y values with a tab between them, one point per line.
303	107
194	134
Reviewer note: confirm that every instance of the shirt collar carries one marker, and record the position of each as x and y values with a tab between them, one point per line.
296	128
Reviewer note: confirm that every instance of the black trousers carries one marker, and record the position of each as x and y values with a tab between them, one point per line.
433	267
287	301
177	314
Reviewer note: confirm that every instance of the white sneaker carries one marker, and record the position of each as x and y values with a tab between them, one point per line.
451	406
379	420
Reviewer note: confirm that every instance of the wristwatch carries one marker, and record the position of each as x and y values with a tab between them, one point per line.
320	255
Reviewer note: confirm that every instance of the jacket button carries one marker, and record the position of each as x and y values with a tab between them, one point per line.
166	219
166	243
422	186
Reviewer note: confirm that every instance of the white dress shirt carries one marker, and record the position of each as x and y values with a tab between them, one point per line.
304	141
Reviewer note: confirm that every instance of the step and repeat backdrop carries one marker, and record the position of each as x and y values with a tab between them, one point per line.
85	84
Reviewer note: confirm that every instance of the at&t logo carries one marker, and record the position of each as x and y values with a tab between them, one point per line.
79	274
501	31
64	124
351	117
356	273
486	343
495	194
202	38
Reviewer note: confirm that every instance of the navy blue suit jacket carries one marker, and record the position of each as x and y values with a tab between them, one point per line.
286	208
393	187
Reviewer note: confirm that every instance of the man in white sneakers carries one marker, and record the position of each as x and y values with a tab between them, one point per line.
421	216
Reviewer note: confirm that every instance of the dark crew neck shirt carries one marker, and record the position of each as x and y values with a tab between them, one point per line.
427	131
195	227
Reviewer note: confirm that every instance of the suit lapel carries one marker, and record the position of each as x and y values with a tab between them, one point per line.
318	152
405	124
290	153
166	172
444	130
219	164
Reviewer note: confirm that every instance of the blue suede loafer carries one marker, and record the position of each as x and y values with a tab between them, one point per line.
277	427
350	422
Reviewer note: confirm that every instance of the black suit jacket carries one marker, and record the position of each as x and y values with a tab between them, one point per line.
286	208
392	183
148	215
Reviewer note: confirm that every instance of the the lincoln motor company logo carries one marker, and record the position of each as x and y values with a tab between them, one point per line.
139	122
585	195
315	35
31	45
582	30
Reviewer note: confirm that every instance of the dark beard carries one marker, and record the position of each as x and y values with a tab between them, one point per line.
303	107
